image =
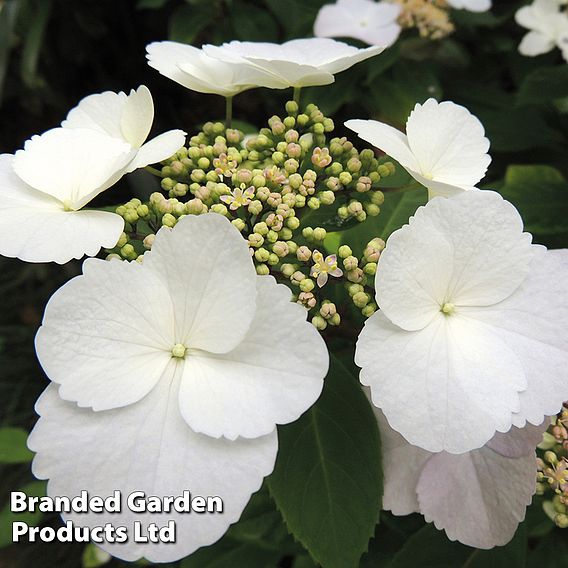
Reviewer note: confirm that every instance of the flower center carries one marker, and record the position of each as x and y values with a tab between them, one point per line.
178	350
448	308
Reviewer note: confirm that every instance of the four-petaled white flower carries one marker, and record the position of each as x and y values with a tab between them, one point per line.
472	334
470	5
444	148
478	497
548	28
43	188
128	118
372	22
324	267
239	197
295	63
173	375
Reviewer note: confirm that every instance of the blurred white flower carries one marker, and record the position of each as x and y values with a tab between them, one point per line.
43	188
477	498
471	5
444	148
295	63
195	69
189	360
548	28
369	21
472	334
128	118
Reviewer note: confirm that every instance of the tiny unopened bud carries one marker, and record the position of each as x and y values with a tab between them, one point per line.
344	251
262	270
369	310
168	220
255	207
356	275
307	299
148	241
287	270
328	310
370	268
350	263
255	240
361	299
239	224
303	253
319	323
280	249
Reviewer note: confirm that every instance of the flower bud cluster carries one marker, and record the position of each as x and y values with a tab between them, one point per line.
269	185
430	17
552	476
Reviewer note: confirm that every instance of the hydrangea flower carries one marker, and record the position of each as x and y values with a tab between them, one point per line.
197	70
173	375
548	28
128	118
483	494
424	152
472	334
470	5
295	63
324	267
44	187
374	23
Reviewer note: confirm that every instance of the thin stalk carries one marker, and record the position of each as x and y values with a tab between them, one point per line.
154	171
297	91
228	112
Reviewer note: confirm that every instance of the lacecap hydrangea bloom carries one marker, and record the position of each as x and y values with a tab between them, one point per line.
484	493
45	186
173	375
424	151
472	333
374	23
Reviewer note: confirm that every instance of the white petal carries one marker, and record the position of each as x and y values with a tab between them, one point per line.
535	43
478	498
146	447
137	116
533	322
158	149
35	228
402	466
211	278
455	378
107	336
101	112
471	5
72	164
385	138
469	250
273	376
438	188
448	142
518	442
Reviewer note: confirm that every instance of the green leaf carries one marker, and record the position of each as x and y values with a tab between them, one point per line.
540	193
430	548
40	13
252	24
543	85
327	482
33	489
13	448
551	551
258	540
151	4
187	22
8	12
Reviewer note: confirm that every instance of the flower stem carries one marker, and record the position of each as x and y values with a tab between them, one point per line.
228	112
297	91
154	171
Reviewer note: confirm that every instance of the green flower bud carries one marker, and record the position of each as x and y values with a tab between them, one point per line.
328	310
343	212
168	220
113	256
198	176
370	268
194	206
258	181
300	201
303	253
287	270
372	210
272	236
292	108
194	153
278	158
262	270
285	234
307	285
326	197
203	163
289	122
319	323
261	254
291	166
302	120
377	197
308	233
369	310
130	216
273	259
361	216
328	125
319	234
344	251
350	263
261	228
361	299
128	252
363	184
292	223
295	181
180	209
255	207
220	209
383	170
355	207
149	241
314	203
239	224
297	277
345	178
354	288
255	240
168	184
355	275
292	246
280	249
233	136
122	240
262	193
